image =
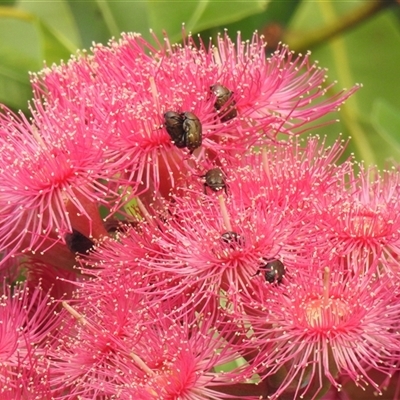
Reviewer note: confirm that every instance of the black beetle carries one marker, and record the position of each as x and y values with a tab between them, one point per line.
224	97
215	180
184	129
78	243
274	270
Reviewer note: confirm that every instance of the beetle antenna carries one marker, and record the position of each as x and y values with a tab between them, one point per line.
224	211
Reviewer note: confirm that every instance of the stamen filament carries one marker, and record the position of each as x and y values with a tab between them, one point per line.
79	317
326	286
144	211
141	364
36	135
224	212
265	162
217	58
154	93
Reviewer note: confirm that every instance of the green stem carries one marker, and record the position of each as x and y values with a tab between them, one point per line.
310	40
349	112
15	13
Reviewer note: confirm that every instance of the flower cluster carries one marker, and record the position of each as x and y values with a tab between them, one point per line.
179	239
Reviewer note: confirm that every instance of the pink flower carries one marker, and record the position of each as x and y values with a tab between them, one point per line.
362	222
27	320
60	283
321	323
279	258
158	357
91	353
211	241
183	359
121	261
191	255
130	85
299	175
50	182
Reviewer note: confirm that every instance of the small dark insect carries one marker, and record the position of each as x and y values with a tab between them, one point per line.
274	270
184	129
174	126
193	131
230	237
224	101
78	243
215	180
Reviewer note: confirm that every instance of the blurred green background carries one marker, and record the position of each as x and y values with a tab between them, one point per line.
358	41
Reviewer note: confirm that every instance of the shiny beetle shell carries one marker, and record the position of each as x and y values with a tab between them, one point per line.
222	94
174	126
224	97
215	180
274	270
193	131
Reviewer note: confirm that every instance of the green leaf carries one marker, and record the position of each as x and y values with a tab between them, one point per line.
158	16
369	53
90	22
386	121
276	12
199	15
15	89
97	21
53	48
58	20
26	42
19	53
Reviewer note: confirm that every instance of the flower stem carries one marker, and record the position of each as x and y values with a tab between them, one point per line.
308	40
